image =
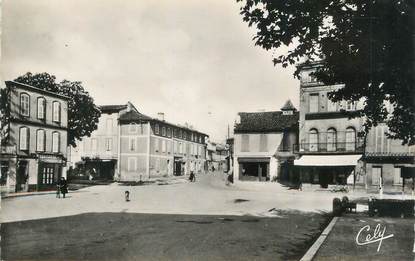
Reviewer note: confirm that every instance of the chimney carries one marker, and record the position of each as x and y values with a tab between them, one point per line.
160	116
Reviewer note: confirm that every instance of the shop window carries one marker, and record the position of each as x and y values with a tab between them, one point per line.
397	179
376	175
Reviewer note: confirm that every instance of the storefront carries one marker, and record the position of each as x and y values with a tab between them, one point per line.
254	169
49	171
326	169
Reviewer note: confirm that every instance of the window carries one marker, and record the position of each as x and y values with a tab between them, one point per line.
382	143
313	102
24	104
56	142
132	128
331	106
263	143
94	145
376	175
108	144
24	138
132	144
109	125
169	147
245	142
157	129
350	139
132	164
331	139
40	140
56	111
163	131
41	108
350	106
168	132
163	146
313	140
181	134
397	179
180	148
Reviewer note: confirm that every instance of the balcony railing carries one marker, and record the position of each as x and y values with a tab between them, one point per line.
339	147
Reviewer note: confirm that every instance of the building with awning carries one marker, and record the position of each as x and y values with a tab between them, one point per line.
328	160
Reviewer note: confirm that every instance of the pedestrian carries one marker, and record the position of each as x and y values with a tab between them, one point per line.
58	190
63	186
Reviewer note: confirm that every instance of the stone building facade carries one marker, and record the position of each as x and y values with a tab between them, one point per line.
34	139
151	147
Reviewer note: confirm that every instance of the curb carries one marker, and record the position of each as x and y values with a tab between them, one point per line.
311	252
27	194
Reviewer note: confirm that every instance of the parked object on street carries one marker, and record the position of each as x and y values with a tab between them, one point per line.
58	191
337	207
391	208
348	206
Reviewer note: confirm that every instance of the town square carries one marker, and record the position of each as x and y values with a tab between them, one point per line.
225	130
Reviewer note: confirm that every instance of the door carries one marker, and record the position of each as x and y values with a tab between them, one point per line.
46	176
22	176
177	168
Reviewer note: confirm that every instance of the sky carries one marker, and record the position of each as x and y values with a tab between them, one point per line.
193	60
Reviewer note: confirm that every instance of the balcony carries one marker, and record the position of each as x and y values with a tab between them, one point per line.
329	148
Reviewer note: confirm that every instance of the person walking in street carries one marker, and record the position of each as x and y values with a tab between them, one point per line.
63	186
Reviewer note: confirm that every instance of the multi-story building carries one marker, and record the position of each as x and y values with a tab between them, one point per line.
216	156
330	149
263	143
34	138
387	162
151	147
98	154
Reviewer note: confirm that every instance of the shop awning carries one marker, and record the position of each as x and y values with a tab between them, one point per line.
327	160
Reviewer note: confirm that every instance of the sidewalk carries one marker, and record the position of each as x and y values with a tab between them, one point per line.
341	242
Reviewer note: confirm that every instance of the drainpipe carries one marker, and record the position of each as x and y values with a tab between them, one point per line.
148	149
119	152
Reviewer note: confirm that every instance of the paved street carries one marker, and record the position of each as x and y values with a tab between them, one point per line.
208	196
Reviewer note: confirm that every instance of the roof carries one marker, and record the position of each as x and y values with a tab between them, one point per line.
112	108
35	89
288	106
135	116
271	121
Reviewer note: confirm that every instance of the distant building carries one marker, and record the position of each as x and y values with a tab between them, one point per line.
263	144
34	139
216	156
152	147
98	154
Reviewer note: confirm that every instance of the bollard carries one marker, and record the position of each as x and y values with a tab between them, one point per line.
337	207
127	195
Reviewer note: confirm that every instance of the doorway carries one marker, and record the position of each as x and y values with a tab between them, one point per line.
21	176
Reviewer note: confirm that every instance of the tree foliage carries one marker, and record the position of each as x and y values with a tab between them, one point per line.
83	114
367	45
